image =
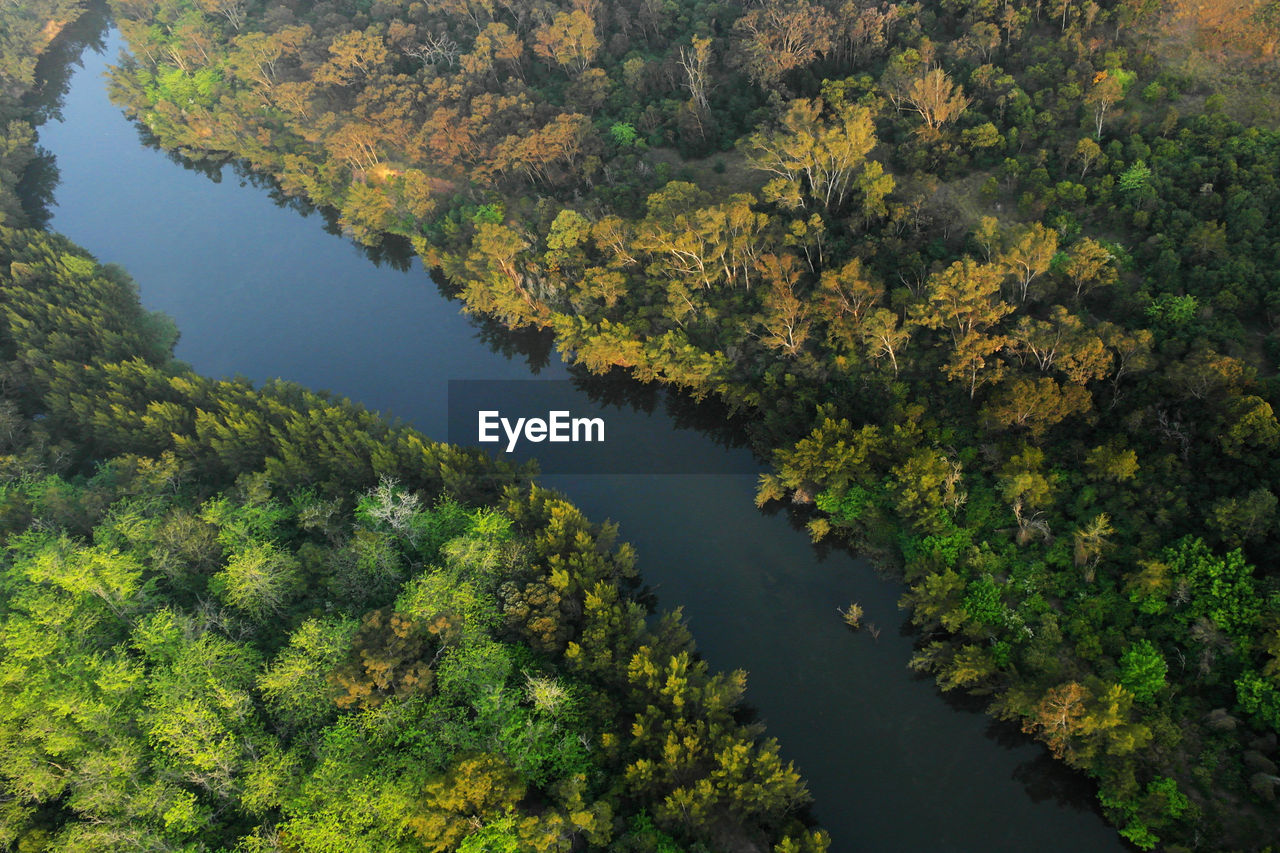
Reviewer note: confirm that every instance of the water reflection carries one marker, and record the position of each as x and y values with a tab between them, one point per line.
44	102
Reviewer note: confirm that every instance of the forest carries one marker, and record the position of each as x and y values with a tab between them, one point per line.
251	619
996	283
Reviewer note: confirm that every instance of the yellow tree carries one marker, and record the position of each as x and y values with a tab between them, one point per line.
353	57
1106	91
845	297
232	10
1091	541
1059	717
1028	256
777	37
786	316
964	300
1089	265
569	40
1035	404
936	99
1062	342
825	159
885	335
695	60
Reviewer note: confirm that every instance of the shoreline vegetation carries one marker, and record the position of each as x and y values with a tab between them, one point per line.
264	619
996	281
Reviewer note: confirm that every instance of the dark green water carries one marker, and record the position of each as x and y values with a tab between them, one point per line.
263	291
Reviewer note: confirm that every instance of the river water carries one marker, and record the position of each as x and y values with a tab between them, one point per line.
262	290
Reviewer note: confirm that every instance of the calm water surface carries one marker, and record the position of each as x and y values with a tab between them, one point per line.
263	291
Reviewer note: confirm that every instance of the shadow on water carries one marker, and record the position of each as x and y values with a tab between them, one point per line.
60	61
392	251
535	346
44	102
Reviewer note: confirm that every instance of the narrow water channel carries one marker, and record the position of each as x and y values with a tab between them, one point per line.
262	291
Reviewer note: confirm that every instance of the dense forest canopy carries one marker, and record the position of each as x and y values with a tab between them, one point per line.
998	281
238	618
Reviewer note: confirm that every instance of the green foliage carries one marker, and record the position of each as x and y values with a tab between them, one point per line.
1259	698
246	612
847	506
1173	311
984	603
1143	670
623	134
1137	178
1222	588
499	836
491	214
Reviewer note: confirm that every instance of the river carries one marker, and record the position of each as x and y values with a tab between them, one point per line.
262	290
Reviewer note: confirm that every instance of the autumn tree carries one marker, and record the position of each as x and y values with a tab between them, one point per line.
823	159
885	334
845	297
786	315
1106	90
1089	265
1063	343
232	10
353	57
1059	716
964	301
778	36
695	60
569	40
257	56
936	99
1027	256
1035	404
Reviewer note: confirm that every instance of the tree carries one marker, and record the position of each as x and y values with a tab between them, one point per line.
885	334
1028	256
825	159
1091	541
786	316
696	60
1115	464
936	99
964	300
1131	350
569	40
232	10
926	486
1035	404
780	36
1244	519
1059	716
354	57
1088	266
1062	343
1143	670
1087	153
845	297
1106	90
257	56
258	579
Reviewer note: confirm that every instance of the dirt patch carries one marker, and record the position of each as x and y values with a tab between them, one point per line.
727	172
